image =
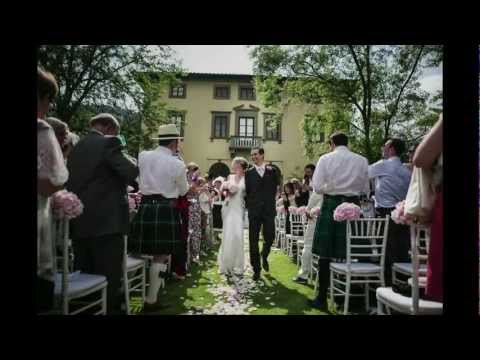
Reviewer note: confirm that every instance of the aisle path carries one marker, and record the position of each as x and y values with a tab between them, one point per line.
205	292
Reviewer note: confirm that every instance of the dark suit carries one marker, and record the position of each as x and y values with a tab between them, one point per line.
99	175
260	203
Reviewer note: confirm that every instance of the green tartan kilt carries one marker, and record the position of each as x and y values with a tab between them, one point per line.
330	236
155	229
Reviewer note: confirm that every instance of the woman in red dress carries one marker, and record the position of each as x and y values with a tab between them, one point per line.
429	155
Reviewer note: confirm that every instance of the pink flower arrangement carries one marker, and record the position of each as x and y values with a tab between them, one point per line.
292	210
66	205
398	215
314	212
347	212
281	210
302	210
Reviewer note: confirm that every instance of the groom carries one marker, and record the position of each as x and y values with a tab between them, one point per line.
261	182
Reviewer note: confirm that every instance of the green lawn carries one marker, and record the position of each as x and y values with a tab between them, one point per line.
278	296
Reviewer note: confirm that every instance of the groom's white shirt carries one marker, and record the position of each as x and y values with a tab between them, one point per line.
260	169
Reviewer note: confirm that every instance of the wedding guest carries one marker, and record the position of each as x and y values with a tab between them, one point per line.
99	176
71	140
301	197
60	128
180	258
204	200
429	155
392	179
410	154
51	175
288	199
156	230
194	213
302	276
217	204
341	176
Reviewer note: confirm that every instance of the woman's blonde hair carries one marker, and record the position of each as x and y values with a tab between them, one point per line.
242	161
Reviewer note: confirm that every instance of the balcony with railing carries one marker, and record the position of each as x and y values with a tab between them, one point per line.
245	143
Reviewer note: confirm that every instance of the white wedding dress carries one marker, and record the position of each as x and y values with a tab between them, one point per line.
231	256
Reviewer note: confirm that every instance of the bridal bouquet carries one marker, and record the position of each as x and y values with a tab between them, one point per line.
66	205
347	212
228	190
315	211
398	215
281	210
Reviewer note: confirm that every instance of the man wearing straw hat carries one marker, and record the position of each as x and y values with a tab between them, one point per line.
155	230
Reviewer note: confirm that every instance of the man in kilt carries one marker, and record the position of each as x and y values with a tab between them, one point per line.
341	176
155	230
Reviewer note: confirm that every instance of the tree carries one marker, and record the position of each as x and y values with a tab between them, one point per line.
377	85
96	77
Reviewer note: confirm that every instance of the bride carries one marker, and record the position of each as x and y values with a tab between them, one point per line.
231	259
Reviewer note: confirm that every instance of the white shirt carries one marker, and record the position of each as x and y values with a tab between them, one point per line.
341	172
162	173
260	169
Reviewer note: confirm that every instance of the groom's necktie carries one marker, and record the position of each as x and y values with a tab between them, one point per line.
260	171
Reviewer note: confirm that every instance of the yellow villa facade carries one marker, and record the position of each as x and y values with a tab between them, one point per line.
220	117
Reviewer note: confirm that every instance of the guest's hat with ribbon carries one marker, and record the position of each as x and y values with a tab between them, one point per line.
168	132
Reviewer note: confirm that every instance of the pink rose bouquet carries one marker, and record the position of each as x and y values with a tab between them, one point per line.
281	210
302	210
347	211
66	205
399	216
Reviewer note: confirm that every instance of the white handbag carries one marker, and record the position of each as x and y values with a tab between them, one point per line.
421	195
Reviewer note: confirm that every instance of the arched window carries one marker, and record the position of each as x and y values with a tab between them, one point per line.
218	169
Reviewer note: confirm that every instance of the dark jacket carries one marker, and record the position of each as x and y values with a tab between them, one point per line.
99	175
261	191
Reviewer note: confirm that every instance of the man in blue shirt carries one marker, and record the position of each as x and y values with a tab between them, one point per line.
392	180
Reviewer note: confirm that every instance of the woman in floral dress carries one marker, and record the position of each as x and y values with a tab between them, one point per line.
195	215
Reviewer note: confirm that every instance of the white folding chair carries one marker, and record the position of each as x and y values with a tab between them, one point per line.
72	288
366	239
280	233
411	305
301	242
297	231
134	278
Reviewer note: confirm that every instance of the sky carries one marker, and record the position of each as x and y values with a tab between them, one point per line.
234	59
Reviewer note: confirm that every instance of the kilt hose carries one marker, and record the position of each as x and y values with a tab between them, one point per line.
156	228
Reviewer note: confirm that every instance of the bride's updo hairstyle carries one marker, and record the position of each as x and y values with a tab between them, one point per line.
242	161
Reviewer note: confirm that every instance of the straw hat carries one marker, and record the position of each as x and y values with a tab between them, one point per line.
168	132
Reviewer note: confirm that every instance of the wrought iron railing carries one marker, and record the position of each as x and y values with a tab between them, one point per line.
243	142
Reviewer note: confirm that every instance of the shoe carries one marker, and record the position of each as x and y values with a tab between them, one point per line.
256	276
265	264
147	308
300	280
319	305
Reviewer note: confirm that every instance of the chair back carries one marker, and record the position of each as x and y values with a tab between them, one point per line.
62	264
367	238
420	245
281	220
298	224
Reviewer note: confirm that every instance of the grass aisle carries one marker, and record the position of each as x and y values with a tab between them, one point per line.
276	294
